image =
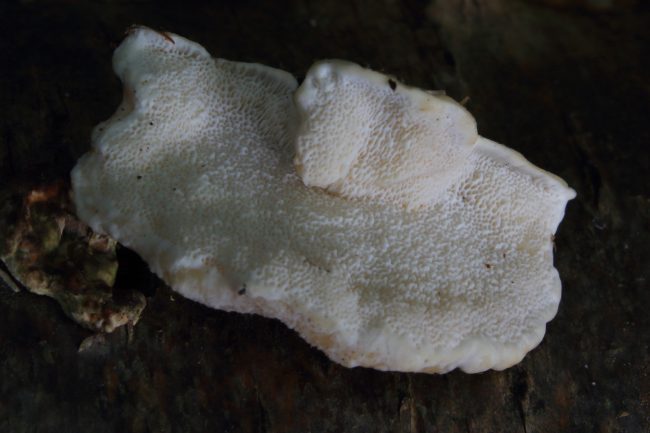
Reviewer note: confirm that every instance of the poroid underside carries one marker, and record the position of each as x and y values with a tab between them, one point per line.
369	216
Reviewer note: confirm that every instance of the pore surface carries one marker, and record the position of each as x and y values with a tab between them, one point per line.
195	172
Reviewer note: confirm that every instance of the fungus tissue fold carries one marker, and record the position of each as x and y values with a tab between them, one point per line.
367	215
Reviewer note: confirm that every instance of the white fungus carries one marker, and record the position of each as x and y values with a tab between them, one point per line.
367	215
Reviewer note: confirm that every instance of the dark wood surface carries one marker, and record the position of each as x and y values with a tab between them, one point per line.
564	82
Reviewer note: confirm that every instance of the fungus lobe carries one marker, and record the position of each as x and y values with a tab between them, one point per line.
360	214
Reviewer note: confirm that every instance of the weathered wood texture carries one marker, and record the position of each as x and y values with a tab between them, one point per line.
567	85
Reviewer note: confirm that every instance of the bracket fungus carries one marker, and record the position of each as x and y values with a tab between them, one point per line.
367	215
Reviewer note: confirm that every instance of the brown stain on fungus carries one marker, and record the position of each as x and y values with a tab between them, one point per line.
166	36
